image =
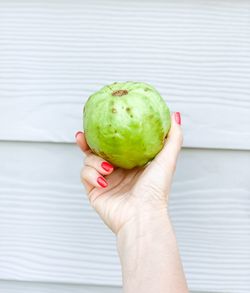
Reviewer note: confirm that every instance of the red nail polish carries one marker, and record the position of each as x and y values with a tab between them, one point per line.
102	182
177	116
107	167
78	132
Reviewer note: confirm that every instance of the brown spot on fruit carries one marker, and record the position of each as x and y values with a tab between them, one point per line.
120	93
128	109
114	110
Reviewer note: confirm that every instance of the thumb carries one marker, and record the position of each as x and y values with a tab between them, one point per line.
167	158
160	171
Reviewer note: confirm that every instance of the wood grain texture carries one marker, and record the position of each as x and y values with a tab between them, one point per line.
54	54
48	232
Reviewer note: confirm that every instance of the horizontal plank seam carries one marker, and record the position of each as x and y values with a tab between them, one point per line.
59	283
80	284
72	143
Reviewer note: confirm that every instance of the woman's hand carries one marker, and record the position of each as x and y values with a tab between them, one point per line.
121	196
133	204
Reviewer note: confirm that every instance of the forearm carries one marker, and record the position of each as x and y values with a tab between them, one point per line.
150	258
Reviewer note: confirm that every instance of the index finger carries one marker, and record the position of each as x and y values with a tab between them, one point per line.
81	142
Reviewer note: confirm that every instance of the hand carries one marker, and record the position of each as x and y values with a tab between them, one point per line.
121	196
133	203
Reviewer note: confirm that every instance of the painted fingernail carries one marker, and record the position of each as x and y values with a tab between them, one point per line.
107	167
102	182
177	116
78	132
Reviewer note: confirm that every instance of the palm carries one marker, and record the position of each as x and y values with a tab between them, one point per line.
127	193
115	204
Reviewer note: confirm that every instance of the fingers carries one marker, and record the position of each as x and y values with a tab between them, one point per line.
94	170
81	142
93	179
103	167
169	154
95	167
92	160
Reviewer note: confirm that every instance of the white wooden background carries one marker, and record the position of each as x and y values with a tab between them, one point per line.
53	54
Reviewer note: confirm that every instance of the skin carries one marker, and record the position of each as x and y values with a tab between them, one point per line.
134	206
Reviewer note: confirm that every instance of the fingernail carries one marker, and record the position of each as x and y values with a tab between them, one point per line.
78	132
107	167
102	182
177	116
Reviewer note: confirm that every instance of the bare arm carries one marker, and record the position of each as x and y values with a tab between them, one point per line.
150	258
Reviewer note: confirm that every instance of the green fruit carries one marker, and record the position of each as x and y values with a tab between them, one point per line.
126	123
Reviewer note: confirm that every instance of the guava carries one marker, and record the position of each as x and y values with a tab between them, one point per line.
126	123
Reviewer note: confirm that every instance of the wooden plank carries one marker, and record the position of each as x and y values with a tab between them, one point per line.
48	232
55	54
36	287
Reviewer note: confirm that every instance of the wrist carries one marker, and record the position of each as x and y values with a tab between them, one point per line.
140	233
146	246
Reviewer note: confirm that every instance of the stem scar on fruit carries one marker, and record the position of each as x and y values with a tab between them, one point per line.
120	93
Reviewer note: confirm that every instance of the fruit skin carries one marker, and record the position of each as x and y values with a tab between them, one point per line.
126	123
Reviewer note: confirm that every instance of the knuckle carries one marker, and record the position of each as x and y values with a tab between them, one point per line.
83	173
88	159
92	160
